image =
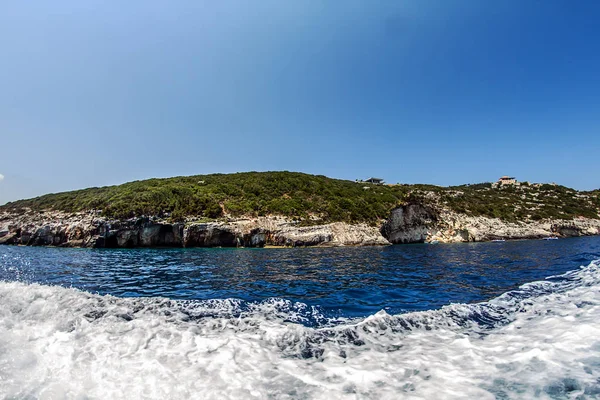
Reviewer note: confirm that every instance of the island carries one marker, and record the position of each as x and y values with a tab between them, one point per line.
292	209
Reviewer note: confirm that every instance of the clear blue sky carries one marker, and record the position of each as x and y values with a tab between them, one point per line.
95	93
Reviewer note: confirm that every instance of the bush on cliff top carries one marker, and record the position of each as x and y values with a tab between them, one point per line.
311	198
290	194
519	203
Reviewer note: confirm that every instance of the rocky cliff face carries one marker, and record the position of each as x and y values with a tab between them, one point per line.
411	223
461	228
417	223
209	235
89	230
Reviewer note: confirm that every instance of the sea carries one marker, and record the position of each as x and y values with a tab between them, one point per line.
497	320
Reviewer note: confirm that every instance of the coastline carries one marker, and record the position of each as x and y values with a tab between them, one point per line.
412	223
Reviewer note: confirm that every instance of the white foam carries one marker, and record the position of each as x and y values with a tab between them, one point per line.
541	341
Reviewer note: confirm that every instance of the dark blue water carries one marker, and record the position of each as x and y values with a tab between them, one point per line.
349	282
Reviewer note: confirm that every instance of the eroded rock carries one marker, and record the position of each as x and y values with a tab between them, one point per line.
209	235
410	223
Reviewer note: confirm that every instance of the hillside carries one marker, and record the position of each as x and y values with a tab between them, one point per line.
290	194
523	202
311	199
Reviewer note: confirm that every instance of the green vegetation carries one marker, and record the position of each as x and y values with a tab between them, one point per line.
311	199
296	195
523	202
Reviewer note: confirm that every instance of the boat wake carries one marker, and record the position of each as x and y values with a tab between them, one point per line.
542	340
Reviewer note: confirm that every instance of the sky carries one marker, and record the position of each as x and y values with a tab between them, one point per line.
97	92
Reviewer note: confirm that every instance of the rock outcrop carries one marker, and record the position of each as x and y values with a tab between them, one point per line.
90	230
209	235
461	228
416	223
411	223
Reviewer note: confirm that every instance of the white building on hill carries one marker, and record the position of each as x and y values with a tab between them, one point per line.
506	181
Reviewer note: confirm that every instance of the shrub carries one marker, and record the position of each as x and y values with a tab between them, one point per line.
298	195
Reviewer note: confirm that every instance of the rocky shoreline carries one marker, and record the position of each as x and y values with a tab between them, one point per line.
412	223
416	223
89	230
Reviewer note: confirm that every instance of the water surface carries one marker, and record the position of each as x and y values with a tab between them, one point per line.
352	281
507	320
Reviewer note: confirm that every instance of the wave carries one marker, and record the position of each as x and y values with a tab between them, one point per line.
540	340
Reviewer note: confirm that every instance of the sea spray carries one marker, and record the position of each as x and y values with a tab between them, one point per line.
538	341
